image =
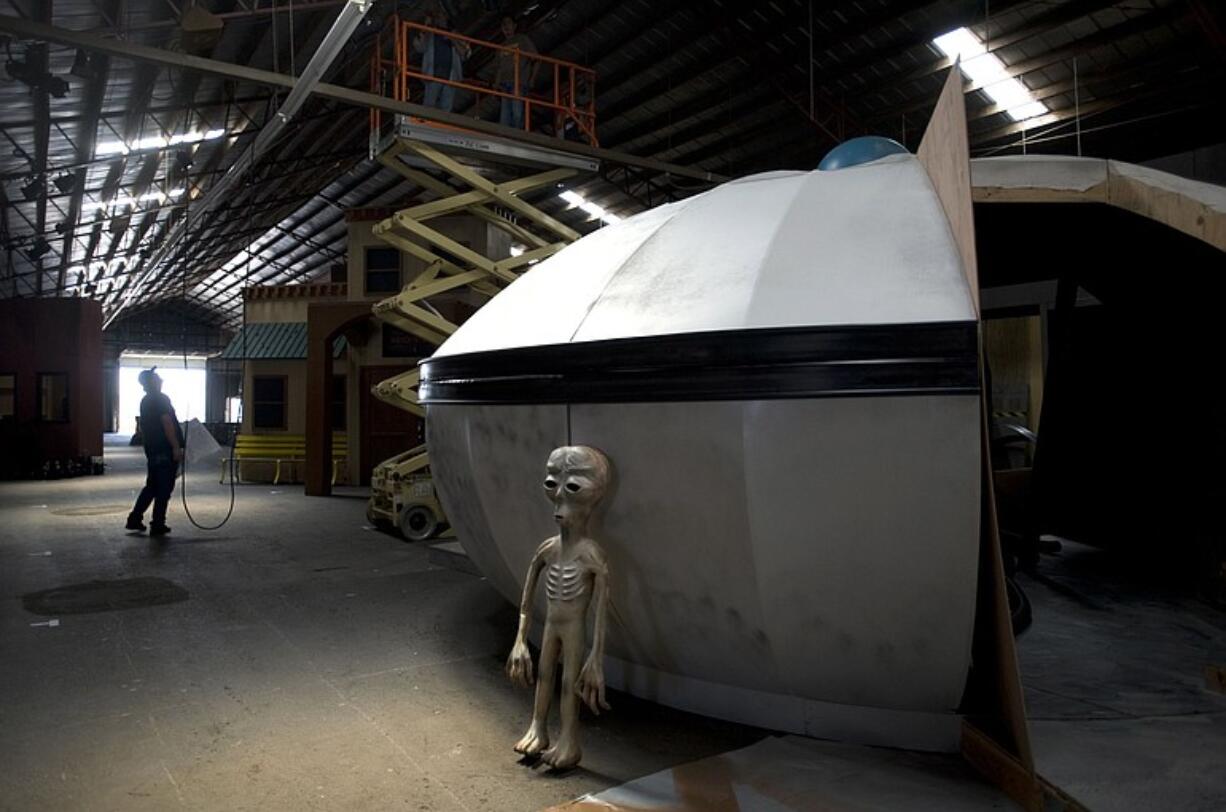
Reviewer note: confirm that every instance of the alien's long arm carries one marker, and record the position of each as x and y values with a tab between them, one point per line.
590	685
519	663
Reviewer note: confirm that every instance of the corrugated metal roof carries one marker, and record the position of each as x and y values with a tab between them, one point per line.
677	82
269	340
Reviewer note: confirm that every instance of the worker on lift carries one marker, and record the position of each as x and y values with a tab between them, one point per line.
507	72
442	57
163	452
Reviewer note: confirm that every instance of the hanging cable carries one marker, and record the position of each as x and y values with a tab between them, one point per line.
1077	106
292	62
234	438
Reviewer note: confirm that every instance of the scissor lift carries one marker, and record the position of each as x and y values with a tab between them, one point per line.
464	173
479	176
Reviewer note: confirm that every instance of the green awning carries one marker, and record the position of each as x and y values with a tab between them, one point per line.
274	340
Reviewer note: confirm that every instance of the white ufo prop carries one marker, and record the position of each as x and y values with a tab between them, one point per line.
784	373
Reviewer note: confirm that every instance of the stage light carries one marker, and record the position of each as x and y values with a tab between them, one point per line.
20	71
56	86
200	30
34	189
65	182
86	65
38	249
36	80
182	163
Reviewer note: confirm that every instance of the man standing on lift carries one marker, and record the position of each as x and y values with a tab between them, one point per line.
163	452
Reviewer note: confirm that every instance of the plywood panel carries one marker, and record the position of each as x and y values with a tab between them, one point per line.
945	153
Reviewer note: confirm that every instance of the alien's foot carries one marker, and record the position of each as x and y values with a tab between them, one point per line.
563	755
533	742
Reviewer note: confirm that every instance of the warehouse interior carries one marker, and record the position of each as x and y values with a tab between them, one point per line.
947	539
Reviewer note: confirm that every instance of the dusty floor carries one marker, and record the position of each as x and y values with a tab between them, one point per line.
313	665
296	660
1114	671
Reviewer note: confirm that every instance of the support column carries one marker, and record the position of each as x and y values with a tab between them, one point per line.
318	478
325	321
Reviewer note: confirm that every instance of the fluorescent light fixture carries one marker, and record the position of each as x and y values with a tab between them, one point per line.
156	142
123	201
517	250
185	138
119	202
1033	110
595	210
959	43
986	70
111	148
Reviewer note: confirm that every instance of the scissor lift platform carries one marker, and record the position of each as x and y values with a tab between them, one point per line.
463	173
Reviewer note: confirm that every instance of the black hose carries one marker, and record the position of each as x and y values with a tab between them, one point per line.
183	486
234	437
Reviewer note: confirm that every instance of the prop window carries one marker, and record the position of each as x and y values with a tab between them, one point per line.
8	397
268	401
382	270
53	397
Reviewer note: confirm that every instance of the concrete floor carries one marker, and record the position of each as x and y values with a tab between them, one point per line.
313	665
1116	692
295	660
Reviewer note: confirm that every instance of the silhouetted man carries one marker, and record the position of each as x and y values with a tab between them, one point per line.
163	453
512	78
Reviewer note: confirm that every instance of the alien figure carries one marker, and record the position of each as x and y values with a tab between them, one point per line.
576	578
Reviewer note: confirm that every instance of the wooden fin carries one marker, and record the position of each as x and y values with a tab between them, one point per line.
945	153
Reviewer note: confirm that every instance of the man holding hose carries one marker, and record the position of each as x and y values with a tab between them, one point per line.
163	452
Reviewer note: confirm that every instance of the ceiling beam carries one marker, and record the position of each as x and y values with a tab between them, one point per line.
87	133
346	22
36	57
255	43
358	98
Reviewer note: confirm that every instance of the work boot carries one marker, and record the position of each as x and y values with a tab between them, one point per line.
134	523
159	530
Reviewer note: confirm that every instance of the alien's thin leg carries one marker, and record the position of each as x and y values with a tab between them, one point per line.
566	753
537	737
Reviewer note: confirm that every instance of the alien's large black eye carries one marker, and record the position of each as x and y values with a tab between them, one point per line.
573	487
550	483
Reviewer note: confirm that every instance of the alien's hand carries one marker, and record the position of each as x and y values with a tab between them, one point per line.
590	685
519	665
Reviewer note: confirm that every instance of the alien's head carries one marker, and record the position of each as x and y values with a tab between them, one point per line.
576	478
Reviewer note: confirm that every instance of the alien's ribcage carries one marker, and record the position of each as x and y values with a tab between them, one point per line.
564	582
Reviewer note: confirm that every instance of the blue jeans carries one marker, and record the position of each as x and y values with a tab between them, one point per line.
512	112
159	487
439	96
